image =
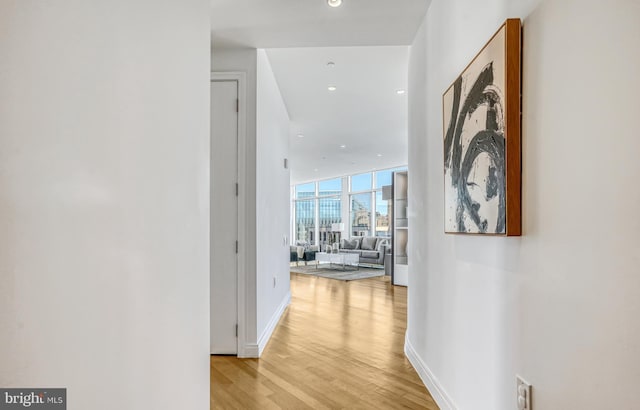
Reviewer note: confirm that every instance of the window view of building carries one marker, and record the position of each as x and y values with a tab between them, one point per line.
305	220
330	213
361	214
383	221
330	209
306	191
330	187
319	206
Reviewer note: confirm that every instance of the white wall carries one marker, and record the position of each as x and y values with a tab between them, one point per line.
104	143
272	192
558	305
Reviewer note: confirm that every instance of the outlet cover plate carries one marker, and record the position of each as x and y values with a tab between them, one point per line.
523	394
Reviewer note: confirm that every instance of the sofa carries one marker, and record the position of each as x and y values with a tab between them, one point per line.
371	249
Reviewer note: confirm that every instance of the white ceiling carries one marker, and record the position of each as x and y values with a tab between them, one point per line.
365	113
368	41
312	23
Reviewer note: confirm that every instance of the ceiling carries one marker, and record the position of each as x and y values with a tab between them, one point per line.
368	42
312	23
364	113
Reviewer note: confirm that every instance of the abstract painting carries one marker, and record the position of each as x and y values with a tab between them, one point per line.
481	121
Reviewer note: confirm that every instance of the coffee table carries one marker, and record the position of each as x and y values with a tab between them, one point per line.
343	260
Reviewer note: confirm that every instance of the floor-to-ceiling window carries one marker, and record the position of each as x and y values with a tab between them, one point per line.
319	206
361	204
383	217
361	214
305	212
383	222
330	209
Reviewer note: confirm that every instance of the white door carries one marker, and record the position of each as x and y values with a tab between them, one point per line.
224	217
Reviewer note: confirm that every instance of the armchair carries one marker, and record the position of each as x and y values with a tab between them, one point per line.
310	253
303	252
296	253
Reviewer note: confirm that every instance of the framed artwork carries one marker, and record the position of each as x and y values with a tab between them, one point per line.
481	122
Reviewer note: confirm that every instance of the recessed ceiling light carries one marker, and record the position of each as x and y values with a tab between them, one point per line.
343	146
300	136
334	3
400	92
332	88
316	169
379	155
331	64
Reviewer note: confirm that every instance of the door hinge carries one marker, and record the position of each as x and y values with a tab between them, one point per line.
236	330
237	189
237	105
236	246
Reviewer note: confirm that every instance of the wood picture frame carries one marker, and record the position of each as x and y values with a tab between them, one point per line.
482	140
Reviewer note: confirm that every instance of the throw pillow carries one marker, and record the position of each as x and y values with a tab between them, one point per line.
350	244
369	243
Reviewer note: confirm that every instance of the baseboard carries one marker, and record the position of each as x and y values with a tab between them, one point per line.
250	350
268	331
438	392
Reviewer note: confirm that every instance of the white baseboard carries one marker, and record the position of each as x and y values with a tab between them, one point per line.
438	392
249	350
268	331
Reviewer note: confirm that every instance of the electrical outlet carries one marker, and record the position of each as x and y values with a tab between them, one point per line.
523	393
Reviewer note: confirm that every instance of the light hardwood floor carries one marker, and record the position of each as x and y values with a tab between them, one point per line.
339	345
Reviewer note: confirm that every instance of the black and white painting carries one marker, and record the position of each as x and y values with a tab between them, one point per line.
474	145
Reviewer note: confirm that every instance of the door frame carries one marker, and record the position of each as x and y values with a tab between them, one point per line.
241	78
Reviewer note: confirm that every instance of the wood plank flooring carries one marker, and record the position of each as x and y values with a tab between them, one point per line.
339	345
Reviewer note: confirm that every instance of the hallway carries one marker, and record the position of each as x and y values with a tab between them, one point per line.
339	345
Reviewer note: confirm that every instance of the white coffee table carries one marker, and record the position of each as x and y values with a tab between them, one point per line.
340	259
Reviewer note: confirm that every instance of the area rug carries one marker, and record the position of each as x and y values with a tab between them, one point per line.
349	274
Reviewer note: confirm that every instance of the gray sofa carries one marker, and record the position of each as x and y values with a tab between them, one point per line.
371	249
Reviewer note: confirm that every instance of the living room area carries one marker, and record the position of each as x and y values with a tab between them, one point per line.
348	114
345	224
